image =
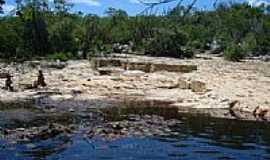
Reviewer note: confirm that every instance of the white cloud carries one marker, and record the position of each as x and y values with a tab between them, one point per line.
7	8
86	2
257	3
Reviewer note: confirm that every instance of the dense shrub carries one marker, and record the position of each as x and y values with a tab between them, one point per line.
167	43
234	53
38	30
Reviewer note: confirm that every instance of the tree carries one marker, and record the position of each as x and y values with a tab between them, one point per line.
1	3
41	29
35	31
62	6
61	36
90	35
117	15
169	43
10	38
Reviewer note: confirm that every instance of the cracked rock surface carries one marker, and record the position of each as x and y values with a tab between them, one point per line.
216	84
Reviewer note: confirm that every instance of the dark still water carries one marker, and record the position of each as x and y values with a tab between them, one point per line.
196	137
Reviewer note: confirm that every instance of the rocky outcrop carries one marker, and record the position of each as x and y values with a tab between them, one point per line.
146	66
214	84
187	68
105	62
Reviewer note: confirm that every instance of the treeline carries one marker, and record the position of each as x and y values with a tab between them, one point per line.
37	29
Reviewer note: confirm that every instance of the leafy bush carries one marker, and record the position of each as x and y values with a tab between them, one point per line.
168	44
234	53
249	45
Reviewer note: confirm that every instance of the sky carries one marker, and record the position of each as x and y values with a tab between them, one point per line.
133	7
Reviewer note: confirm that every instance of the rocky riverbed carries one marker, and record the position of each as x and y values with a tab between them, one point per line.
206	85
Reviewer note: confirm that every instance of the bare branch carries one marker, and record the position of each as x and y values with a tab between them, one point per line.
153	3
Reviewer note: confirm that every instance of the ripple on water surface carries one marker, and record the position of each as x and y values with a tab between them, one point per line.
196	137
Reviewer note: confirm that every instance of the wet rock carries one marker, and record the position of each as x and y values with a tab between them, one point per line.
37	133
134	126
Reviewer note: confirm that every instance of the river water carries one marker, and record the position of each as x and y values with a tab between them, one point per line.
198	137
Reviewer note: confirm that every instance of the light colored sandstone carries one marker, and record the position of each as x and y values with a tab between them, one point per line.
247	83
183	84
198	86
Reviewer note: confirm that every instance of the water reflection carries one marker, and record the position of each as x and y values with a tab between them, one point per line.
198	137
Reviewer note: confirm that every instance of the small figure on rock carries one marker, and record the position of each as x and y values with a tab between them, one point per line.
8	83
40	81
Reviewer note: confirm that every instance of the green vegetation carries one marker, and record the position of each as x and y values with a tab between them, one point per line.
42	30
234	53
1	3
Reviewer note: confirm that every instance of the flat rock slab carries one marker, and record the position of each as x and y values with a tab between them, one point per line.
215	84
145	66
110	70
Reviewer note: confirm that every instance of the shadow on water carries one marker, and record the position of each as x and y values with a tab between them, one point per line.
198	136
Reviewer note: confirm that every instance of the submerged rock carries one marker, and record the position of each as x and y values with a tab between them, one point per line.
36	133
134	126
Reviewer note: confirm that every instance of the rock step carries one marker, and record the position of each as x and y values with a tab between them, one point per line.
147	67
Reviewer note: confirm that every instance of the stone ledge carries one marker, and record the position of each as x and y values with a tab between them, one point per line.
145	66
